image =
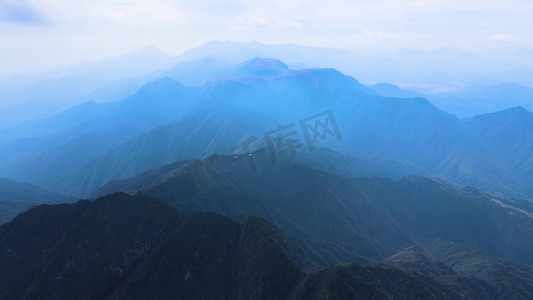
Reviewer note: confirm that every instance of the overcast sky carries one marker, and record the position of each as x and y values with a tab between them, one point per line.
43	34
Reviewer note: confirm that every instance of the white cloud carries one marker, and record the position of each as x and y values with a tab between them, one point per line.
266	22
82	29
503	37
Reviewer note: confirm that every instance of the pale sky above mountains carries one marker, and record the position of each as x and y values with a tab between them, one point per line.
45	34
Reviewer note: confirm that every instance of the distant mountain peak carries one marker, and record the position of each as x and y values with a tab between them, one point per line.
517	112
413	253
148	51
266	62
162	83
415	259
518	109
259	66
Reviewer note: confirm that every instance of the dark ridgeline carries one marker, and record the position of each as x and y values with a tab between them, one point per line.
124	247
16	197
374	217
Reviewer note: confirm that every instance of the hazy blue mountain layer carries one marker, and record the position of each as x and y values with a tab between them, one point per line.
409	131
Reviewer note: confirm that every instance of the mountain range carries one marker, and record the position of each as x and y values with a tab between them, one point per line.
409	131
467	102
33	97
123	247
228	173
371	216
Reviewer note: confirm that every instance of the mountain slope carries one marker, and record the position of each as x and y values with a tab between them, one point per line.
476	274
123	247
80	250
220	260
195	135
372	127
510	279
54	147
38	96
508	136
157	102
372	217
16	197
474	100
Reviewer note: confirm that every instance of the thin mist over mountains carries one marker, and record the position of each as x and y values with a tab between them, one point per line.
468	101
252	171
84	147
454	77
265	150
